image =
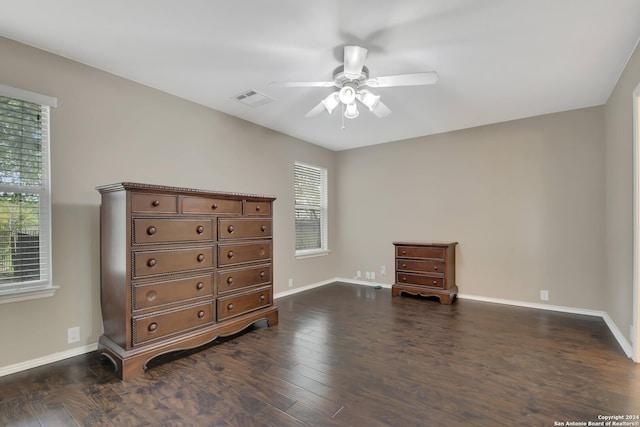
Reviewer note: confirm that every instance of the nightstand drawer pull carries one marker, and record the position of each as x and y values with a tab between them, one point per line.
152	327
200	314
199	229
200	257
230	280
156	203
263	228
230	307
261	298
230	229
152	262
214	206
151	230
200	286
262	274
230	254
258	208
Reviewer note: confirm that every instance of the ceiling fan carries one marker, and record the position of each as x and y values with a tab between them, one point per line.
352	79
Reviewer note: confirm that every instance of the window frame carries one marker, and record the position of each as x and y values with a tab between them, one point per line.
42	288
323	208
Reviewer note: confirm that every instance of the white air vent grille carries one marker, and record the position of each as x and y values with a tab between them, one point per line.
253	98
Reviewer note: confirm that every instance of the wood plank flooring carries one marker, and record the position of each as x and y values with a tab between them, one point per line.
349	355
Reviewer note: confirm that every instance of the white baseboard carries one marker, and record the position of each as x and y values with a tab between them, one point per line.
619	336
45	360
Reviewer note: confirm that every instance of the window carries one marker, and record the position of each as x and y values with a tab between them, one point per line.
310	184
25	220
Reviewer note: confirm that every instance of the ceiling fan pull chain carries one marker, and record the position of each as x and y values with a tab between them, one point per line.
342	117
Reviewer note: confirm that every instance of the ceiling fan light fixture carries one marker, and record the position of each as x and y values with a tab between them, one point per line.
347	94
368	99
351	112
331	102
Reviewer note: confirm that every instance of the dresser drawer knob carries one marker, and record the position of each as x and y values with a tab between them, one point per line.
230	306
404	252
152	262
262	298
152	327
404	278
230	280
156	203
435	268
200	314
200	286
435	282
258	208
404	265
199	229
262	274
261	252
200	257
230	229
151	230
151	295
230	254
263	228
214	206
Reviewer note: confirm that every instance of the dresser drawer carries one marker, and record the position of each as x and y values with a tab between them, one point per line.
257	208
237	304
229	280
231	254
436	267
146	328
154	203
149	230
148	263
211	206
419	252
243	228
421	280
147	295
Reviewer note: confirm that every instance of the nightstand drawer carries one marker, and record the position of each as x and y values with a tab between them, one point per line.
243	228
419	279
419	252
436	267
148	230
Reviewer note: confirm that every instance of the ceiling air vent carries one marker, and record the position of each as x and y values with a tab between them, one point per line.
253	98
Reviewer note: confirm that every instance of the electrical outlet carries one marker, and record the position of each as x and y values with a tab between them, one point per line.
367	275
383	270
73	335
544	295
358	274
373	275
291	283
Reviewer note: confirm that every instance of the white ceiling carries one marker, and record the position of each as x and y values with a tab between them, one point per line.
497	60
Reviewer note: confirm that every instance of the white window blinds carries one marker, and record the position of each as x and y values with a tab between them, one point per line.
25	248
310	208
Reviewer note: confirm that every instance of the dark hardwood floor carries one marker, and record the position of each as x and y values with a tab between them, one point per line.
349	355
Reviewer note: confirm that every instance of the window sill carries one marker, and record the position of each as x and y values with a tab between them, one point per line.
312	253
27	293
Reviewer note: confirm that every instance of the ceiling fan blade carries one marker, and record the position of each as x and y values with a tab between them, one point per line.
354	57
381	110
318	109
302	84
415	79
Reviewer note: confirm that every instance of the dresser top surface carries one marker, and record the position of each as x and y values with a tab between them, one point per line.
416	243
152	188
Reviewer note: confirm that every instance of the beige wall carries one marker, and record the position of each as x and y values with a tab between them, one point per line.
107	129
524	199
619	196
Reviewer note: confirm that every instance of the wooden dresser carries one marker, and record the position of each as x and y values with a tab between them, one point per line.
180	267
426	269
